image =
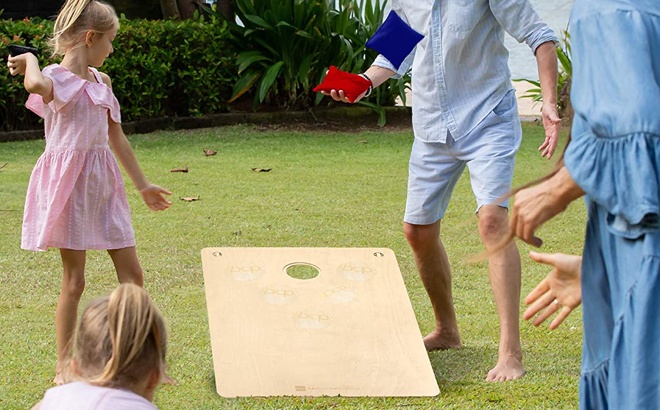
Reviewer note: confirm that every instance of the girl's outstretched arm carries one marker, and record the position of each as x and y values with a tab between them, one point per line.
34	82
153	195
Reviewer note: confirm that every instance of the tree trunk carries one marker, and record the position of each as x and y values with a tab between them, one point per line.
170	9
566	108
187	8
224	7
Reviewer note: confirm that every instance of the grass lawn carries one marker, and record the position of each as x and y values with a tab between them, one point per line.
325	189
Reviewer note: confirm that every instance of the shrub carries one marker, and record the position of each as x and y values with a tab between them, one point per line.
158	68
173	68
13	114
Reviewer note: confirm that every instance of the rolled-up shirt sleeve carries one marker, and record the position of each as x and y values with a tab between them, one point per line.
523	23
383	62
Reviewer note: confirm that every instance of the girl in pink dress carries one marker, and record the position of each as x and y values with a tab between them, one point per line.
75	198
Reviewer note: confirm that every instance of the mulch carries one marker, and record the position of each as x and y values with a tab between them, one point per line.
349	118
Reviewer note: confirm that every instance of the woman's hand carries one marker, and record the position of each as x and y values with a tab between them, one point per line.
534	206
560	291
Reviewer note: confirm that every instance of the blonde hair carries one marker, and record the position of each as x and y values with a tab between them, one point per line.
76	18
121	338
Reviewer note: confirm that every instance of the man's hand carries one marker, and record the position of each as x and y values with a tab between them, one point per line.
338	95
551	123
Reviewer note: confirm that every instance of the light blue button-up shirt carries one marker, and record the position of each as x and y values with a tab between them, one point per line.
460	68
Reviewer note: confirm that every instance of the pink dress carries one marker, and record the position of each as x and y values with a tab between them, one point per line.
76	198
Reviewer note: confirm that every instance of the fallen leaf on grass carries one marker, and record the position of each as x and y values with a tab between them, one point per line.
261	169
209	152
189	198
363	142
180	169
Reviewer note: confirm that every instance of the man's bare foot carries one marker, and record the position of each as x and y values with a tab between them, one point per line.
509	367
438	341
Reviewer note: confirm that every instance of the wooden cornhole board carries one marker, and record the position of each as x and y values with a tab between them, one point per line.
349	331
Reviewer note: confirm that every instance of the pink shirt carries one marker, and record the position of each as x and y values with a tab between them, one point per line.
84	396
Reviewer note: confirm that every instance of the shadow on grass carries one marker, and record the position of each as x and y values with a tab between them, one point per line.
455	367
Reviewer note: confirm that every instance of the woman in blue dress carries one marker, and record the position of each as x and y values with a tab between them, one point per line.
613	159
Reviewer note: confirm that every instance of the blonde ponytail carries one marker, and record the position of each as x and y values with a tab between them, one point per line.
121	338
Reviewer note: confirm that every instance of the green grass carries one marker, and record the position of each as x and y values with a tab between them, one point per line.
324	190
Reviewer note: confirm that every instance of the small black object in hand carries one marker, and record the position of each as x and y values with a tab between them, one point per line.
16	50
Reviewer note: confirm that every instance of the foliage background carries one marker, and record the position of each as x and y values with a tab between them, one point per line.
158	68
286	47
199	66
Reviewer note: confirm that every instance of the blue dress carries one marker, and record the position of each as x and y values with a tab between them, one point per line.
614	156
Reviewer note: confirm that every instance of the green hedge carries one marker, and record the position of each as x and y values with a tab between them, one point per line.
159	68
13	114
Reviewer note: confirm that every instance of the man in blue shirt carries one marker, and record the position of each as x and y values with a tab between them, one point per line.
465	114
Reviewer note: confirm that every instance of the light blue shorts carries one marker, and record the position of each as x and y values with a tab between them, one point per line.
489	152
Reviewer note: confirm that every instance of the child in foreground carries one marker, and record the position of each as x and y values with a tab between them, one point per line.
120	355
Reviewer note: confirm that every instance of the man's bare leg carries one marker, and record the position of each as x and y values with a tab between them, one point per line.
504	273
433	267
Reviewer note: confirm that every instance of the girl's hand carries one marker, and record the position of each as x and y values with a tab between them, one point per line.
560	291
153	197
17	65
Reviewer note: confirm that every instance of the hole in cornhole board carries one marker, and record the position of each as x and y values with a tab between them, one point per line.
302	271
345	327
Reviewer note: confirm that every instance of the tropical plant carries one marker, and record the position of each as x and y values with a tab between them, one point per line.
287	46
563	80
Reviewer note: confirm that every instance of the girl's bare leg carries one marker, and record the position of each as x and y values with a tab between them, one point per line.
73	285
127	265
